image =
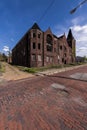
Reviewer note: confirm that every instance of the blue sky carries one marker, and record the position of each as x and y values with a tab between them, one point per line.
16	17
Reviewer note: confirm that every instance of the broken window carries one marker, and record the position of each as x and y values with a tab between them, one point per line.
49	43
34	34
39	46
63	60
39	35
34	45
60	47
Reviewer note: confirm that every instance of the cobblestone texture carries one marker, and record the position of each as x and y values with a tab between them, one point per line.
33	104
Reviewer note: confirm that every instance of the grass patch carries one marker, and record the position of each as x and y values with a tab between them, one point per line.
2	67
44	68
29	70
39	69
26	69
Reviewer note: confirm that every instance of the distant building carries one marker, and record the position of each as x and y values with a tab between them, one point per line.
81	59
38	48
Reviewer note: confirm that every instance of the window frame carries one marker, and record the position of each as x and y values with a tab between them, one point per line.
34	34
39	46
34	45
33	57
39	58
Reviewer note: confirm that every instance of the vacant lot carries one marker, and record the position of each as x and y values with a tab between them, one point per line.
13	73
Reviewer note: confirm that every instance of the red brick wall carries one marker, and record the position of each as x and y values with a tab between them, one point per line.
25	55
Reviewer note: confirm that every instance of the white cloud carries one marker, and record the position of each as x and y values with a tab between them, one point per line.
77	20
82	48
80	34
6	48
79	30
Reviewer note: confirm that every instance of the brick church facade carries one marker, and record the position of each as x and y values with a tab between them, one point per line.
38	48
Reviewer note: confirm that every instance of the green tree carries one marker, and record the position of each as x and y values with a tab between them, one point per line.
3	57
84	59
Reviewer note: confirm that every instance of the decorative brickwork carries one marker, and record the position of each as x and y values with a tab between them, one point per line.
38	48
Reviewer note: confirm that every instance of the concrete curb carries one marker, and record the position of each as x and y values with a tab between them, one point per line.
54	71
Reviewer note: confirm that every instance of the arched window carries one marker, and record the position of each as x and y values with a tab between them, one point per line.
49	43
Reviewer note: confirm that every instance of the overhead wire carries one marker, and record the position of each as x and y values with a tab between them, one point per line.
46	10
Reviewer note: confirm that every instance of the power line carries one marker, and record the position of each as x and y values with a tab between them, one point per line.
50	5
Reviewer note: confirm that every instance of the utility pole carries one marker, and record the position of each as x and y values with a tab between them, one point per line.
74	9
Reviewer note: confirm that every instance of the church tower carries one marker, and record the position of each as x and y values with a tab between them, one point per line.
71	42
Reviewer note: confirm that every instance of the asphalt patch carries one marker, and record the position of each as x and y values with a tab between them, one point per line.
80	76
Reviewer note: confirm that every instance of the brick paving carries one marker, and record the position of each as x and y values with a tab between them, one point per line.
45	103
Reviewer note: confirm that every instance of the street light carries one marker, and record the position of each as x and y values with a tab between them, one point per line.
74	9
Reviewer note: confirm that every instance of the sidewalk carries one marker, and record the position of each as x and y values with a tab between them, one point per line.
54	71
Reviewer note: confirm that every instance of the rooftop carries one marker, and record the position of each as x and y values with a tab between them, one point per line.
35	26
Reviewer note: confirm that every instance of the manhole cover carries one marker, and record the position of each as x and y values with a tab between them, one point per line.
81	76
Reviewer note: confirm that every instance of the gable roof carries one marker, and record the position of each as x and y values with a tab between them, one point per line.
35	26
60	37
55	36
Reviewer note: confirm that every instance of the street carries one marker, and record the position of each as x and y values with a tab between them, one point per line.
50	102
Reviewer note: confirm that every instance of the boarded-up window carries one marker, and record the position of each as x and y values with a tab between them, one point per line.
39	58
47	59
51	59
33	57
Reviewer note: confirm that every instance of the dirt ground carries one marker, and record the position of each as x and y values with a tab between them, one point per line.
13	73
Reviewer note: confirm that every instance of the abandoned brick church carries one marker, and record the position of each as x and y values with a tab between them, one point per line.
38	48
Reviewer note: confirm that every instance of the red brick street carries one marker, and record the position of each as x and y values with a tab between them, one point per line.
55	102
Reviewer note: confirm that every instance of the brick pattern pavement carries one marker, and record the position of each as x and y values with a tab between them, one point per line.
36	105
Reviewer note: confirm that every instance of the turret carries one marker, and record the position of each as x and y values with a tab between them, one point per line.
70	39
71	42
